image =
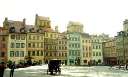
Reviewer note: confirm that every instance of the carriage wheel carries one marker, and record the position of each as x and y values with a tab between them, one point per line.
59	71
47	71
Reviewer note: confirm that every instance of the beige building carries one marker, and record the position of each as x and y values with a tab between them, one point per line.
122	44
97	49
109	52
86	48
16	39
75	27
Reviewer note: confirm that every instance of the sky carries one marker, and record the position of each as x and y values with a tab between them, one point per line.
97	16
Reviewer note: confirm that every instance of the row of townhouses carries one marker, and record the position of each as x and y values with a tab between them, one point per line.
41	43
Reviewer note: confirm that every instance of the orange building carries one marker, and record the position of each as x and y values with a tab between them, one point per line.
3	45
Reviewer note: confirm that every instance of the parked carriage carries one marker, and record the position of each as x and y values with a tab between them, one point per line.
54	67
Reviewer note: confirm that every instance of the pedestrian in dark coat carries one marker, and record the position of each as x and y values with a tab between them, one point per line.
2	68
12	69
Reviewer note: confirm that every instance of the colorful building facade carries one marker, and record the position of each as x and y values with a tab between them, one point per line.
74	48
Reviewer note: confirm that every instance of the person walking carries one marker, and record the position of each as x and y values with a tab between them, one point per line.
2	68
12	69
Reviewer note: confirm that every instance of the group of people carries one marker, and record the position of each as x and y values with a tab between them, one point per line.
3	67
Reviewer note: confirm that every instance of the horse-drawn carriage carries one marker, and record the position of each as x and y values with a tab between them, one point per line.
54	67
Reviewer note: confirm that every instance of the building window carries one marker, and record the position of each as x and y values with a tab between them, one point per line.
23	37
78	53
96	47
93	53
46	53
12	45
65	48
17	45
86	41
65	54
59	54
21	53
41	53
38	53
51	35
50	54
11	53
75	39
89	48
46	34
3	45
3	39
75	53
17	54
22	45
93	47
59	47
12	36
29	37
99	46
2	54
99	53
65	42
33	45
34	37
86	48
87	54
62	54
17	37
59	42
29	53
96	53
85	61
54	53
29	44
83	41
73	45
70	53
33	53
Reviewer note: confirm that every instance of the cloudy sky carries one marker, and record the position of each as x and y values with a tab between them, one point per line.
98	16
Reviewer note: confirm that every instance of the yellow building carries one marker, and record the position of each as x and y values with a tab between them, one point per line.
42	22
62	48
50	37
50	43
35	45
